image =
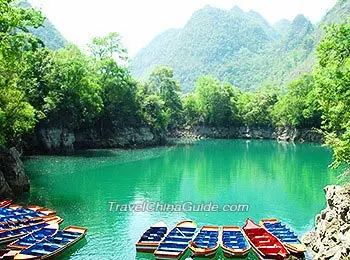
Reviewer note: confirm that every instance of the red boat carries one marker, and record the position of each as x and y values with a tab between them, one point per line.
264	244
5	203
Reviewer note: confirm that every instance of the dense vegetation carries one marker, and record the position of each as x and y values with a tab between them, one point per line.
75	90
237	47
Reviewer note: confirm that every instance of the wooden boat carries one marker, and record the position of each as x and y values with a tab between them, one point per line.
206	242
21	217
234	242
175	244
46	211
35	237
285	235
264	244
51	247
8	254
150	240
4	203
25	222
7	236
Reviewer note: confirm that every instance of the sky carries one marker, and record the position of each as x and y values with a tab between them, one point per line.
139	21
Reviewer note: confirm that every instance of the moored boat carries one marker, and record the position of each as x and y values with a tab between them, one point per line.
53	246
175	244
8	254
4	203
150	239
206	242
7	236
35	237
264	244
233	242
285	235
46	211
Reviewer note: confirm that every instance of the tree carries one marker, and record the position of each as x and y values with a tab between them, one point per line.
163	83
299	107
190	109
152	108
332	77
217	102
256	109
17	116
108	47
119	89
74	97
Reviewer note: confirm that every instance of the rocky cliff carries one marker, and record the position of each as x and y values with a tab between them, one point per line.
57	140
331	237
287	134
13	180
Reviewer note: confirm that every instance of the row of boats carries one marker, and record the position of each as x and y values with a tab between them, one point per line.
270	239
34	232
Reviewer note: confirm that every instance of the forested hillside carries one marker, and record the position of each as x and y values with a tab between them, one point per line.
48	33
235	46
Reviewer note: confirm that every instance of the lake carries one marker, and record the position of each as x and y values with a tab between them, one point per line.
283	181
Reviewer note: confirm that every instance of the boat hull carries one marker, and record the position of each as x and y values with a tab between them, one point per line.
297	248
238	235
264	244
199	246
151	238
175	243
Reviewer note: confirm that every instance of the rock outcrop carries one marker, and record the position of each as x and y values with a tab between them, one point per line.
331	237
13	180
286	134
57	140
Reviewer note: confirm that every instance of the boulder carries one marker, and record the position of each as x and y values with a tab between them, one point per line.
331	237
13	180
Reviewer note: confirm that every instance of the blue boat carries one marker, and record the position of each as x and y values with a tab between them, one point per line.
13	215
8	236
150	240
206	242
285	235
233	242
35	237
51	247
175	244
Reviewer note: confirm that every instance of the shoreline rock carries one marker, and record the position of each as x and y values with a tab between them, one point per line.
285	134
13	180
331	237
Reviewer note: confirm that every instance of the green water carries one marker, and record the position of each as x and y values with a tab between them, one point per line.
276	180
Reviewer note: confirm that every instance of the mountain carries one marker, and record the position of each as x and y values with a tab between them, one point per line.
48	33
236	46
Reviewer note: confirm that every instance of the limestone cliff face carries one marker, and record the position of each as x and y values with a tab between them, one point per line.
286	134
57	140
331	237
13	180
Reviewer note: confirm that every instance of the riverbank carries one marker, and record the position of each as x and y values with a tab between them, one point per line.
286	134
331	237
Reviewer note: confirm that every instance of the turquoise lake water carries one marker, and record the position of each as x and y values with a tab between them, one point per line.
284	181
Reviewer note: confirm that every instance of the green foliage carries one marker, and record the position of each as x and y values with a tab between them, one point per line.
333	84
163	83
74	96
217	102
17	116
119	92
108	47
152	108
190	109
256	109
299	107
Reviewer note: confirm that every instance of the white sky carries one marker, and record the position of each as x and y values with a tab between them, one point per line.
139	21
